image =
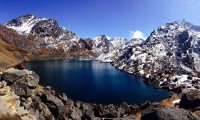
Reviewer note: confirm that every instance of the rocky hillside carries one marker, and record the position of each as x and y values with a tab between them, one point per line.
7	58
50	41
167	57
9	55
115	45
21	47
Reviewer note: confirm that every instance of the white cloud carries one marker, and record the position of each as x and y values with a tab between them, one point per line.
136	34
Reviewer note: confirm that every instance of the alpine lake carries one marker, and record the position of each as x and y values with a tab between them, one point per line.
94	82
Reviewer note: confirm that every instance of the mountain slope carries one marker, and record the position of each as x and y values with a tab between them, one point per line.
23	24
46	28
178	42
48	39
115	46
53	42
7	57
171	50
8	54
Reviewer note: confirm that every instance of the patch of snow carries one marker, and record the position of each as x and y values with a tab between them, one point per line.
141	57
186	68
176	101
109	38
162	27
118	42
122	66
26	26
159	50
141	72
148	75
106	57
133	42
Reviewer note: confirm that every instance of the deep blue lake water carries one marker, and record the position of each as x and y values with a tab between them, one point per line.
94	82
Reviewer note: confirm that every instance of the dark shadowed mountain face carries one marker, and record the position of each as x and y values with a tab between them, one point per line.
47	28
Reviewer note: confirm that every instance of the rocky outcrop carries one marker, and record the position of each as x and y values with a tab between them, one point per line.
168	113
10	107
46	28
22	82
190	100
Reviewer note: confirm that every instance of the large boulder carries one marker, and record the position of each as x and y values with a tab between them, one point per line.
75	114
22	82
13	75
113	111
190	100
62	97
53	100
21	89
168	113
32	79
101	111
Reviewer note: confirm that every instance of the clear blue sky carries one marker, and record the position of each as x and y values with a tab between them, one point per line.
115	18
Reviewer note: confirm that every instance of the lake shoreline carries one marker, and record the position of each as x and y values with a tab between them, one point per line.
100	79
45	103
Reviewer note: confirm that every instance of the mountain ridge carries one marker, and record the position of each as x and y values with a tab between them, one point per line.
51	38
168	59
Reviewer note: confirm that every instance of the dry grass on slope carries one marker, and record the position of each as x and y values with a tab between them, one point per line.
9	54
7	58
9	117
22	46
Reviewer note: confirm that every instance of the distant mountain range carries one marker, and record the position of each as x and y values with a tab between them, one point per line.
173	46
50	41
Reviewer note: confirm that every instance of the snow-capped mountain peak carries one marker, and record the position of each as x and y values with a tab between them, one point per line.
118	42
102	44
102	37
109	38
133	42
24	24
47	29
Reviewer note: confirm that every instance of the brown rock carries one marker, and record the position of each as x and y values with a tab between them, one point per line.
170	114
190	100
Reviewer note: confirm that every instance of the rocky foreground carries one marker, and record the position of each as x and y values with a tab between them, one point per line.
22	98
